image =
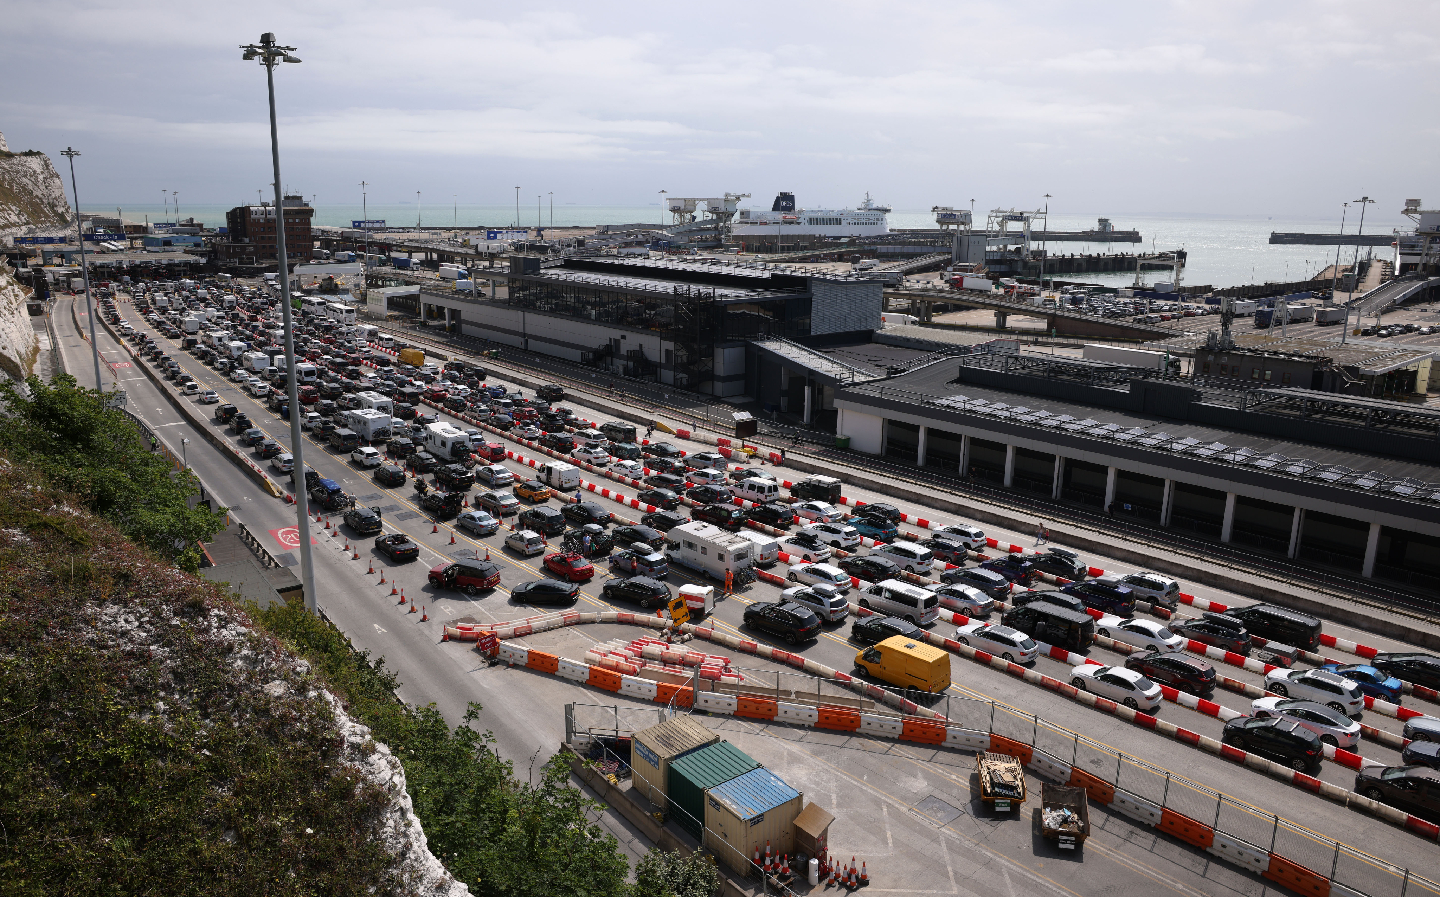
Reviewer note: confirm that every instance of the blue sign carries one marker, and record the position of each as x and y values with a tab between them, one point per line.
36	241
104	238
493	235
368	225
163	225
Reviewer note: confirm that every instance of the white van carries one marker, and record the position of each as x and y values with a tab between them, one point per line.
907	556
767	547
756	490
559	475
901	599
385	341
306	373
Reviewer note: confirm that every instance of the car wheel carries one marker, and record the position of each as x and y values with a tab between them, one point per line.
1338	708
792	578
790	638
1078	683
470	590
1260	714
865	603
646	604
1373	793
1131	703
1300	764
964	641
1104	633
1008	657
1280	690
1330	740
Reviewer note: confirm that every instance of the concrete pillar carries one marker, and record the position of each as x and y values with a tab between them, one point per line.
447	319
839	421
1009	465
1167	502
921	446
1109	487
1059	480
1000	319
1295	526
1372	549
964	455
809	400
1229	520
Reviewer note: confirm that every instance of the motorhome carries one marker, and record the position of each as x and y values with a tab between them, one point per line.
445	441
256	361
235	348
708	549
375	401
372	425
306	373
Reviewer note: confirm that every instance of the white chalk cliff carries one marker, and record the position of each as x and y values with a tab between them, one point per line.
32	195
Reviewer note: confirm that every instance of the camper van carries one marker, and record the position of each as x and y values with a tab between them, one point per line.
376	401
256	361
372	425
710	550
306	373
445	441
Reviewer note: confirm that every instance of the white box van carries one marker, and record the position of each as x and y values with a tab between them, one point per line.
767	547
385	340
907	556
306	373
374	400
756	490
901	599
559	475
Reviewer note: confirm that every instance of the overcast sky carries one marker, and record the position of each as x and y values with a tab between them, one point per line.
1261	108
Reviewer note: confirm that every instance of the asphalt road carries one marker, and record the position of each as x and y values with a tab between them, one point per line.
364	610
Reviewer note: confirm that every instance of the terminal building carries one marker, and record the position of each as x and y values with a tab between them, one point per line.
1345	482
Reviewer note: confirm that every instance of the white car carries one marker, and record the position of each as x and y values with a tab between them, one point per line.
817	511
1151	587
708	476
1334	728
967	600
1001	641
820	574
309	421
591	455
283	462
494	475
365	456
836	535
1335	692
191	388
1118	684
1145	634
805	552
258	389
827	603
209	397
526	542
971	537
239	375
630	469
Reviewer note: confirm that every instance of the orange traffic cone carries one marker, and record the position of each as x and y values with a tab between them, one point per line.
452	538
756	861
434	527
371	571
414	609
347	545
382	576
864	874
355	556
402	596
785	864
768	865
424	614
444	635
834	875
393	590
487	552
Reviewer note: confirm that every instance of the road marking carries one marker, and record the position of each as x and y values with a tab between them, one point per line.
377	627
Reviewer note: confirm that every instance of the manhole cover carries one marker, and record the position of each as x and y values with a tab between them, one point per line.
373	496
406	515
389	509
938	810
287	559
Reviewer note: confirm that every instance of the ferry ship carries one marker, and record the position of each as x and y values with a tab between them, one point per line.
787	221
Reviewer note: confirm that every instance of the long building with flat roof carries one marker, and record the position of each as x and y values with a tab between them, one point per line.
1341	481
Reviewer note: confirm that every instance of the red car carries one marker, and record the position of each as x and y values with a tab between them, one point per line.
436	394
309	395
491	451
570	566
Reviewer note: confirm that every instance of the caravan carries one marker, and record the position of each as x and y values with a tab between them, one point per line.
445	441
708	549
376	401
372	426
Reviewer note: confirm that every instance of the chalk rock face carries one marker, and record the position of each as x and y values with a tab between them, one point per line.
32	195
19	344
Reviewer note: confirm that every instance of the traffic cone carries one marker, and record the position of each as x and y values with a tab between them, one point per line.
371	571
768	866
444	635
347	545
393	590
785	864
487	552
854	876
834	875
355	556
382	576
452	538
414	609
756	860
424	615
402	596
864	874
434	528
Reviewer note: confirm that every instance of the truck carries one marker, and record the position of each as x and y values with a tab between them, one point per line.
453	272
1002	781
1330	314
444	441
708	549
256	361
412	356
1064	815
816	488
559	475
374	400
372	425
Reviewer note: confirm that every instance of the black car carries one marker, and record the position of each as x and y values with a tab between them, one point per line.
269	448
774	513
543	519
560	442
1421	753
422	462
880	509
1105	597
442	504
641	590
1174	669
666	465
585	512
1059	599
660	498
427	419
397	547
390	475
1013	567
1417	669
708	494
1209	629
550	392
223	413
546	591
731	517
600	544
870	569
665	481
404	411
252	436
454	477
664	521
1060	562
1276	738
663	450
988	581
788	620
869	630
240	422
628	535
364	520
1414	789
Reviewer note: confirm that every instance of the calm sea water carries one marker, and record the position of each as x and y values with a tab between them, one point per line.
1222	251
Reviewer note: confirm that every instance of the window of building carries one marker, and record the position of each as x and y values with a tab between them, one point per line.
1267	374
1285	379
1254	373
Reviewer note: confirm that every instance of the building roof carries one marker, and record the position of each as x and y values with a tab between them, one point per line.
1307	342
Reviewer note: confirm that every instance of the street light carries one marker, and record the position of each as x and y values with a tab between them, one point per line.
1044	243
417	210
176	195
552	208
70	154
270	54
185	451
517	207
662	208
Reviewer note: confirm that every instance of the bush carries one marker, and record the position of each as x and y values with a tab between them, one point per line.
662	874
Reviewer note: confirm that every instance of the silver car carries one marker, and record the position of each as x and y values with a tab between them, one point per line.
827	603
525	542
969	601
1334	728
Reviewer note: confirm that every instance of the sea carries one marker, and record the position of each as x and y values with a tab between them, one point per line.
1221	251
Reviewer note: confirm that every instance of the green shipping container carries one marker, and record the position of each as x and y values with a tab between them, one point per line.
694	774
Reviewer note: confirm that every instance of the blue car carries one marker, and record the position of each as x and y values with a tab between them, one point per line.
1372	682
875	528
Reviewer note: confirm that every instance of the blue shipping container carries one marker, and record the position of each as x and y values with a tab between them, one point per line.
753	794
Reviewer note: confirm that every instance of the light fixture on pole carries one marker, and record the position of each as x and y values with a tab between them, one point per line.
165	201
1044	243
176	195
417	210
365	223
270	54
455	222
185	452
552	208
662	208
1335	272
70	154
517	207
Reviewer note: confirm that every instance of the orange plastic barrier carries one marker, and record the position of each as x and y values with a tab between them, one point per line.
1002	745
839	718
1099	790
603	678
1297	878
756	708
545	663
922	731
1186	829
664	691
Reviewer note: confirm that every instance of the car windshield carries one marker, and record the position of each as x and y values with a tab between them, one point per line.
1162	632
1397	772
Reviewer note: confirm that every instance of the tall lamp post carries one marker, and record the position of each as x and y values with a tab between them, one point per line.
70	154
552	208
270	54
1355	264
1044	244
1335	274
517	208
365	223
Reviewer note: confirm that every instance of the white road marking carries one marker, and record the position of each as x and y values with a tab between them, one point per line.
377	627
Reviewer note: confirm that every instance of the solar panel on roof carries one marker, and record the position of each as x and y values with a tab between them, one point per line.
1208	450
1154	439
1266	462
1237	456
1058	420
1181	445
1330	473
1131	434
1297	467
1405	486
1367	480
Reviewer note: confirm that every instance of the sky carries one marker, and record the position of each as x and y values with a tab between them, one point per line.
1160	108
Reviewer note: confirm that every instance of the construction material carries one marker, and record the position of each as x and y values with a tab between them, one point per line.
1002	781
1064	815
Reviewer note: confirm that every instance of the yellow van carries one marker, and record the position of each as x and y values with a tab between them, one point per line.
906	663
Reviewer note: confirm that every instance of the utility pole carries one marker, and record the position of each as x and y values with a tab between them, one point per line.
1044	246
552	208
517	208
417	210
176	194
271	54
365	223
1335	274
70	153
